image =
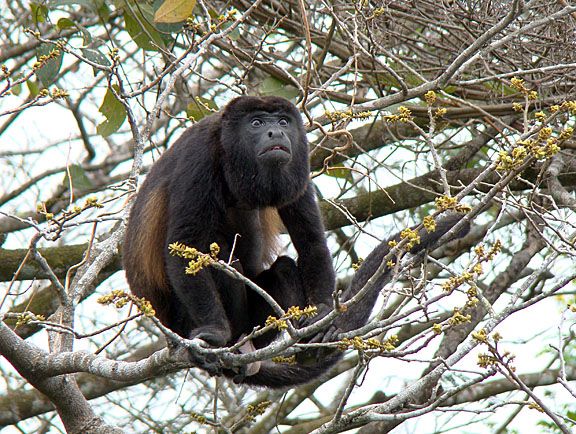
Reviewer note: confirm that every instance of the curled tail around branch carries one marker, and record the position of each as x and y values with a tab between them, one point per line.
311	365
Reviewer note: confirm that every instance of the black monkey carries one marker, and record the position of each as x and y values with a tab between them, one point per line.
227	179
231	174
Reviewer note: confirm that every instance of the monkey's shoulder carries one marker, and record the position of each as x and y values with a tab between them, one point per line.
200	137
193	155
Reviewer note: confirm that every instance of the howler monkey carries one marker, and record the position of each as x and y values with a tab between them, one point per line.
226	180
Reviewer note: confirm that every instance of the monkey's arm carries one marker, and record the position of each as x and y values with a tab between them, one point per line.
198	297
304	224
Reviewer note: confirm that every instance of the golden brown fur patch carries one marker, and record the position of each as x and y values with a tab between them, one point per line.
147	247
271	228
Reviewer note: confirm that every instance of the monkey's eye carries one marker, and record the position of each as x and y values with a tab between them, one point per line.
256	123
283	122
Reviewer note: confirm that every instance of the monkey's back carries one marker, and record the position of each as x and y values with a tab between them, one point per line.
144	247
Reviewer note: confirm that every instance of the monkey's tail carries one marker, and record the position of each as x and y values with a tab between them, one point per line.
278	375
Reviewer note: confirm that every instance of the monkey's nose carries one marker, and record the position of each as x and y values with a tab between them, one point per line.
275	133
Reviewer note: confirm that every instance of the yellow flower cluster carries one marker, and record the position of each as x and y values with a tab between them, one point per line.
430	97
569	106
472	292
197	27
429	224
412	236
404	115
488	256
454	282
518	84
43	59
476	270
357	265
197	259
445	203
117	297
535	406
278	324
346	115
55	93
92	201
114	55
440	111
256	410
120	298
27	317
542	147
198	418
59	93
377	13
486	360
482	336
459	318
293	312
285	360
359	344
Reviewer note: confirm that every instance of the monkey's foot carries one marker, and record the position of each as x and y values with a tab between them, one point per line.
208	362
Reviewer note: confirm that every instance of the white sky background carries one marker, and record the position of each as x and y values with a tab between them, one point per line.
524	333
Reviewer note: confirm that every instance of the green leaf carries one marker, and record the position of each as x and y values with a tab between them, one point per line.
114	112
48	73
273	86
197	108
95	56
141	31
79	179
339	172
17	90
32	88
39	12
174	11
86	36
65	23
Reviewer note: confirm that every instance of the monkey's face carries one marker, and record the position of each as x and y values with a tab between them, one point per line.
270	133
264	151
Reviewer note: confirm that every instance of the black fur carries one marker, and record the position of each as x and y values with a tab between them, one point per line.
219	180
211	185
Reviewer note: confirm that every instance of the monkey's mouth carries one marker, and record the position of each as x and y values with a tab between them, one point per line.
272	148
